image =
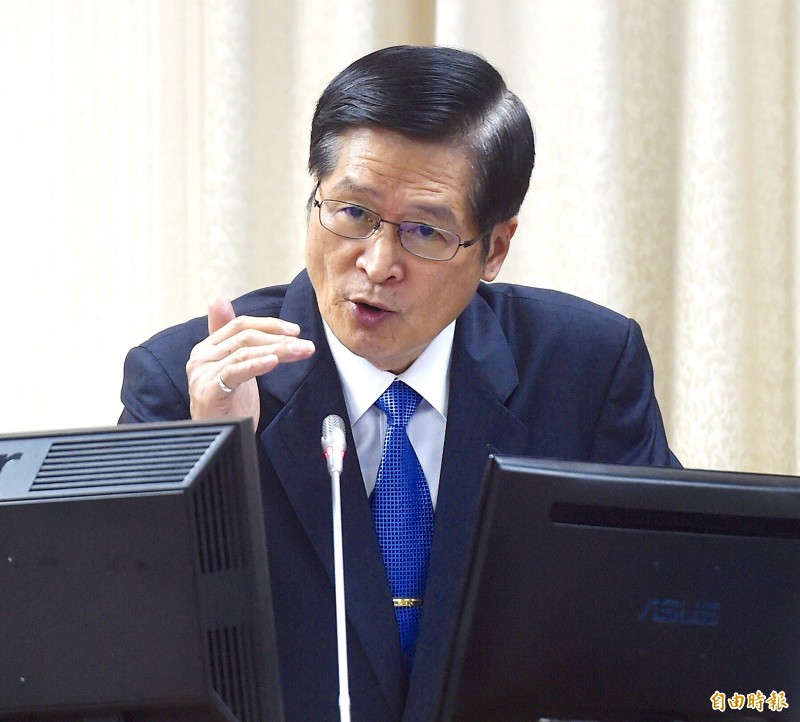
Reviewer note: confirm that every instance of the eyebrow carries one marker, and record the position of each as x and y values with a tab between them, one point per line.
347	185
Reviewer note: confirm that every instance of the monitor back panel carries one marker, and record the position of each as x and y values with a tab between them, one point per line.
606	593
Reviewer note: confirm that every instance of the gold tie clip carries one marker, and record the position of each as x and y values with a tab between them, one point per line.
407	602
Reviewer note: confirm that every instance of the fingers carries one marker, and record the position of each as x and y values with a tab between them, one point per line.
249	342
223	367
247	338
220	312
249	354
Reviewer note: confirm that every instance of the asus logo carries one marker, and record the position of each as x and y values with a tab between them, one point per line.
5	458
678	611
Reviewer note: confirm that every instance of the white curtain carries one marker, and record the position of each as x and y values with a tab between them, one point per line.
153	154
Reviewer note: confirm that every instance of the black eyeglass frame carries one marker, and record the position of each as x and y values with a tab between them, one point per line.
461	244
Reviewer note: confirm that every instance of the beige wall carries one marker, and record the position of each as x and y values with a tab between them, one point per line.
153	153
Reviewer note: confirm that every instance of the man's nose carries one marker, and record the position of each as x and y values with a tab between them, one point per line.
381	258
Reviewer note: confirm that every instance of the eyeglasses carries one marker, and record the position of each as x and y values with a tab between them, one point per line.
349	220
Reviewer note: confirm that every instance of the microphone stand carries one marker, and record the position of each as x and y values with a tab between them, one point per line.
333	446
338	573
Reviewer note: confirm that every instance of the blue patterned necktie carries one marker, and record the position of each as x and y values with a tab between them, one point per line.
403	514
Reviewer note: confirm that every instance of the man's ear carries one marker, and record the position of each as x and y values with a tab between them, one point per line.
498	250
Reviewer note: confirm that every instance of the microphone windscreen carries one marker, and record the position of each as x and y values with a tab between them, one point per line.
331	423
333	442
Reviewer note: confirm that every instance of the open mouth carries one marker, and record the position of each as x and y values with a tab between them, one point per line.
368	313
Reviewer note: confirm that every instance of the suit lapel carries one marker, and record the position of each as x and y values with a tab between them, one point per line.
482	376
296	398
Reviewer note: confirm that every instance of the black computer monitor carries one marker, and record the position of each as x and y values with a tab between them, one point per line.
603	592
134	583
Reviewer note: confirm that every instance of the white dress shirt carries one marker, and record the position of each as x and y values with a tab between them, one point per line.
363	385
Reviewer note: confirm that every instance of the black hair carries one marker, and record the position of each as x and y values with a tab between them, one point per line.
434	94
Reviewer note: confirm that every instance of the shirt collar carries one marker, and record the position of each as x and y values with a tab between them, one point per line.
363	383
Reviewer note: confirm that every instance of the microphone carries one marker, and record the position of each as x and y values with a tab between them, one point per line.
333	446
333	443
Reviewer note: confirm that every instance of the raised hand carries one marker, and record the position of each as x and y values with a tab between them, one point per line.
222	369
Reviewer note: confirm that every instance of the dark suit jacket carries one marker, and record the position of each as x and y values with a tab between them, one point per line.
533	372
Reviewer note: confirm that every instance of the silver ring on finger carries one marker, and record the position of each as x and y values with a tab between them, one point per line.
223	386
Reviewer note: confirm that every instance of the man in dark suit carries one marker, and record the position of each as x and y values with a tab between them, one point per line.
420	159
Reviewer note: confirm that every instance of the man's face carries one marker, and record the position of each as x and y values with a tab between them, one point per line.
382	302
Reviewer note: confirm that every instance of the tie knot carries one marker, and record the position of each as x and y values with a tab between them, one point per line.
398	402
